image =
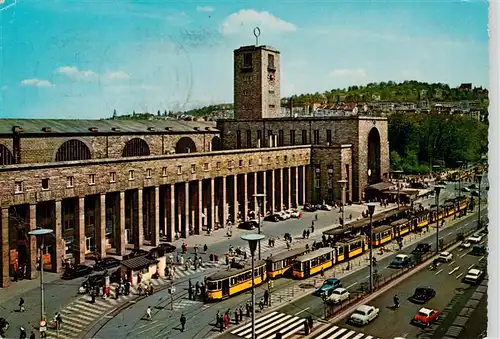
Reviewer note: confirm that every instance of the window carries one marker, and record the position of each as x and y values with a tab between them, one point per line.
148	173
193	168
241	163
259	135
91	179
217	165
238	139
249	138
230	163
272	106
270	137
317	173
268	160
330	176
45	184
316	137
270	61
281	138
131	175
112	177
70	182
179	169
206	166
277	159
304	137
260	161
247	60
164	172
292	137
285	158
329	136
250	162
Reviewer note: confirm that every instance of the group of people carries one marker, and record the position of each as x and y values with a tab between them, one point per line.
147	289
198	290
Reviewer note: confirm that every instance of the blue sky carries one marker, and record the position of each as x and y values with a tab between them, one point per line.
82	59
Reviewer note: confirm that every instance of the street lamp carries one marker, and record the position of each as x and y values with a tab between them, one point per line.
343	184
257	196
437	189
397	181
41	232
371	210
480	178
253	239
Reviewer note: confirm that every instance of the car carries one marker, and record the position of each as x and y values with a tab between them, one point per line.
295	213
465	189
445	256
442	182
338	295
425	317
249	225
326	207
168	248
465	244
473	186
478	250
474	193
400	261
422	248
328	286
363	315
136	253
422	295
77	272
272	218
309	208
281	215
475	238
106	264
473	276
286	214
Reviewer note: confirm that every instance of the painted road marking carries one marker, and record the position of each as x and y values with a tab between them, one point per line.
458	276
454	270
348	287
451	263
471	266
463	255
480	259
305	309
441	270
149	329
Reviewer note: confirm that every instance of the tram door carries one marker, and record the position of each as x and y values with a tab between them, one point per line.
225	288
307	269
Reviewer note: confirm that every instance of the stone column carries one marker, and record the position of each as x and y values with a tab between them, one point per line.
139	234
282	200
224	202
297	186
211	220
273	191
120	236
60	251
245	197
31	271
185	226
255	201
303	185
155	235
264	191
199	225
80	232
289	191
235	199
5	248
171	224
101	227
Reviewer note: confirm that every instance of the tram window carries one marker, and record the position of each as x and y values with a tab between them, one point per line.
297	266
248	275
355	245
328	256
233	281
212	285
340	250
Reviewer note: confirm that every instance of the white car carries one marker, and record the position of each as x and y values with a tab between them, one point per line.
475	238
465	244
364	314
284	215
338	295
326	207
473	276
445	256
295	213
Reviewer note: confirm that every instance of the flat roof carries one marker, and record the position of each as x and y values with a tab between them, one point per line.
287	254
223	274
314	254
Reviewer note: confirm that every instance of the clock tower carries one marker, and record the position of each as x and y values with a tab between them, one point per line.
256	83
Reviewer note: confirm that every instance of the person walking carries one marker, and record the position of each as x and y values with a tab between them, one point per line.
310	323
266	297
306	327
32	335
183	322
322	273
21	305
149	315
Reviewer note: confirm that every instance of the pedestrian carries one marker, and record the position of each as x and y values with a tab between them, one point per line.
307	234
221	323
92	301
312	228
227	260
310	323
248	310
315	217
197	291
200	262
190	292
183	322
59	320
149	315
205	248
226	320
21	305
236	318
32	335
266	297
278	335
190	283
306	327
241	313
304	234
217	316
322	273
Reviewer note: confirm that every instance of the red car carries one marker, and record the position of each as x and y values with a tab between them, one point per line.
425	317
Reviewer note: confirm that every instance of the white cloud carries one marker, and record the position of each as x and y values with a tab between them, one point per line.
37	83
77	74
348	73
246	18
204	9
117	75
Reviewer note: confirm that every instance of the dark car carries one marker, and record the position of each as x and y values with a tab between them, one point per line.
168	248
473	186
442	182
107	264
95	280
478	250
272	217
422	295
77	272
400	261
135	253
249	225
421	249
474	193
328	286
309	208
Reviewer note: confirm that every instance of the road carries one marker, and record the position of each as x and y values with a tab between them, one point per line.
313	306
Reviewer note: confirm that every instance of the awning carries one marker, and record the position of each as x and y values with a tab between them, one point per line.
138	262
381	186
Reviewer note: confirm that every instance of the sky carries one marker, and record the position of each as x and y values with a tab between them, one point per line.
83	59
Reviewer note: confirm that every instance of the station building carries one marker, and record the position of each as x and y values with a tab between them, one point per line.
106	186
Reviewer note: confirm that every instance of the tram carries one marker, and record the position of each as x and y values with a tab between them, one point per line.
280	264
313	262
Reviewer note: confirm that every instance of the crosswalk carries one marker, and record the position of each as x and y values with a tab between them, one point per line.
292	327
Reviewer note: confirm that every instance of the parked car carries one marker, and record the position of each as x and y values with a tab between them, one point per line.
363	315
168	248
474	193
317	207
475	238
77	272
473	186
249	225
425	317
326	207
400	261
295	213
106	264
478	250
309	208
272	218
338	295
465	189
328	286
422	248
422	295
286	214
445	256
465	244
473	276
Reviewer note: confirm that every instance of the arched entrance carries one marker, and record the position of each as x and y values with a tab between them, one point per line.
216	144
373	156
135	148
73	150
5	155
185	145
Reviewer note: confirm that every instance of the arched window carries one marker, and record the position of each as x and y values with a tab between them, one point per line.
73	150
374	175
5	155
135	148
185	145
216	144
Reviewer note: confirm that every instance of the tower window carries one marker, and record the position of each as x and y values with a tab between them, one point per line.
247	60
270	62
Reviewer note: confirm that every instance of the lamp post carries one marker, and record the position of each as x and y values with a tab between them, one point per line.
459	162
480	178
253	239
437	189
371	210
342	184
259	195
398	172
41	232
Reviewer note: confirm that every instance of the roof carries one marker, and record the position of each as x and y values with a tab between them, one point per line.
234	271
31	126
314	254
399	222
425	310
364	308
402	256
381	186
138	262
287	254
351	239
382	228
474	271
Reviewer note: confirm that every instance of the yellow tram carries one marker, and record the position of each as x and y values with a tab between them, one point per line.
382	235
401	227
312	263
421	220
281	263
350	247
224	284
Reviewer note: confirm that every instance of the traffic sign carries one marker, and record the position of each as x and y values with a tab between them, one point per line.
43	323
